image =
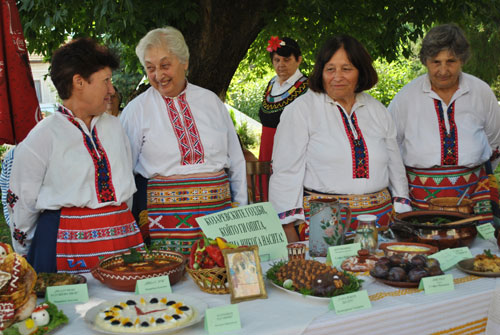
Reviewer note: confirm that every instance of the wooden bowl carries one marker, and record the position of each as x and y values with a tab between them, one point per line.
450	204
424	249
411	227
126	280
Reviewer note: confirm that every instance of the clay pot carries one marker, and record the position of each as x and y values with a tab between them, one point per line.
450	204
411	227
407	249
126	280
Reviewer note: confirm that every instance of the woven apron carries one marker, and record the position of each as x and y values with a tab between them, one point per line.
174	203
86	234
452	181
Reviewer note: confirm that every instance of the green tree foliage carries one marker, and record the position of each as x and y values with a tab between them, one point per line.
220	32
245	92
392	76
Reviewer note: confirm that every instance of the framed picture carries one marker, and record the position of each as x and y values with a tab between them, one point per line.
244	273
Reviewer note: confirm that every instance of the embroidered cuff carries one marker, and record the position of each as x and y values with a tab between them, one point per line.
402	200
291	215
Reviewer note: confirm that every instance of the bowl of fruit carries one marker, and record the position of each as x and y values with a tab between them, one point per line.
207	266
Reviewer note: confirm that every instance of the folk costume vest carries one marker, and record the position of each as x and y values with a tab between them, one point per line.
270	112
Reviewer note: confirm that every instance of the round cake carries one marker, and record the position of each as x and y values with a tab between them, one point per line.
139	315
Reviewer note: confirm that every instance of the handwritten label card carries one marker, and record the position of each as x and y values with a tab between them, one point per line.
222	319
462	253
351	302
447	258
437	284
256	224
153	285
337	254
486	231
67	294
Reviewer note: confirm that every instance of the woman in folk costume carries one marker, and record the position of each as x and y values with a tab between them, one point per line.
72	175
288	84
337	142
282	90
448	126
185	150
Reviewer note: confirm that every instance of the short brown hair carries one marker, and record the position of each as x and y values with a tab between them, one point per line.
82	56
357	55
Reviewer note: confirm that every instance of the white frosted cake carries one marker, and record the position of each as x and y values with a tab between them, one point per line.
139	315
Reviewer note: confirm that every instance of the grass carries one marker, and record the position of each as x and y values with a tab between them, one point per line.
4	229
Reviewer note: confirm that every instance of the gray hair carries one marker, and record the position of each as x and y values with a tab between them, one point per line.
168	38
445	37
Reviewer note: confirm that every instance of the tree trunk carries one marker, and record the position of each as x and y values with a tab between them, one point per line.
221	38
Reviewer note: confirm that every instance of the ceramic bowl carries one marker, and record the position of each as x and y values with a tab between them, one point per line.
407	249
412	227
126	280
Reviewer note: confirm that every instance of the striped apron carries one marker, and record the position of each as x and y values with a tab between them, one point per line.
175	202
85	235
452	181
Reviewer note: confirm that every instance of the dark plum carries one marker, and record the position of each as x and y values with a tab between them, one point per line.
380	270
396	260
434	270
432	262
418	260
416	274
384	260
397	274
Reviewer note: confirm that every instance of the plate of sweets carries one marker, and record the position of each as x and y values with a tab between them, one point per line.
312	279
45	279
145	314
486	264
398	271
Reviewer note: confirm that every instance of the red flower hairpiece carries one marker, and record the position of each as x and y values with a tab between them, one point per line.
274	44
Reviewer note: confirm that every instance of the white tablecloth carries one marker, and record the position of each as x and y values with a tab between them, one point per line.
394	311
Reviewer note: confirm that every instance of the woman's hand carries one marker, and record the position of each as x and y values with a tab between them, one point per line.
290	232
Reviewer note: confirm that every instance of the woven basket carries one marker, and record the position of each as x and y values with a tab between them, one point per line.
450	204
212	280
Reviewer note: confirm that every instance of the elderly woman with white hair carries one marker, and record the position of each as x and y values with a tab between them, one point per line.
186	154
447	123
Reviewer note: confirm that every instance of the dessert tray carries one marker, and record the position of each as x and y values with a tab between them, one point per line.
195	304
326	281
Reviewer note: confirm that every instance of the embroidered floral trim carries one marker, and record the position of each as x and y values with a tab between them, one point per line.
274	43
449	140
20	236
291	212
188	137
103	180
11	198
284	98
98	234
359	150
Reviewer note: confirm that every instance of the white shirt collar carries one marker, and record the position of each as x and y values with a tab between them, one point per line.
290	81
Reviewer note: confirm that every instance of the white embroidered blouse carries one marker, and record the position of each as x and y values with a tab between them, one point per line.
191	133
313	150
52	169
